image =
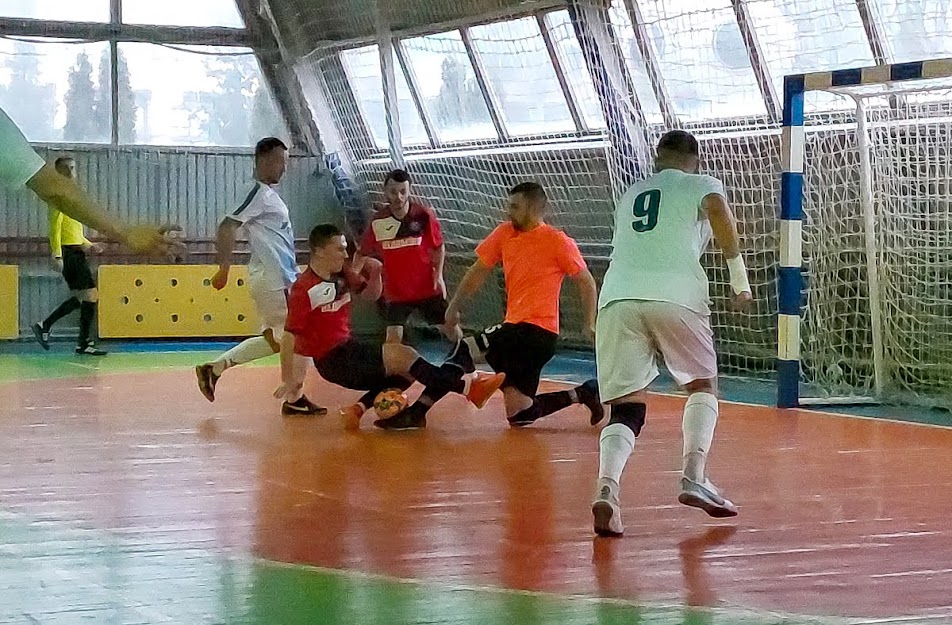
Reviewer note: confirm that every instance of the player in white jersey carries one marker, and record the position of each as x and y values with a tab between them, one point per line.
654	301
272	269
21	166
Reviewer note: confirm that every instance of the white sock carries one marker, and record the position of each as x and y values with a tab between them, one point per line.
697	427
246	351
615	444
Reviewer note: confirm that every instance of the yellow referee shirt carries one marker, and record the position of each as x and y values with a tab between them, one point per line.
65	230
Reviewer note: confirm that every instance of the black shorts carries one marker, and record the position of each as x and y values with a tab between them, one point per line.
433	311
520	350
76	270
354	365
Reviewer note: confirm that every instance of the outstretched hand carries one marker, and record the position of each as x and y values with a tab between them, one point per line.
288	391
146	239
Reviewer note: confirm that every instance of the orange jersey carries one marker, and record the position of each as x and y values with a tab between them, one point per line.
534	263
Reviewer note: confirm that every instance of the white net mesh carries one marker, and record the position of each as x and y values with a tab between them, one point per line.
489	100
527	65
896	205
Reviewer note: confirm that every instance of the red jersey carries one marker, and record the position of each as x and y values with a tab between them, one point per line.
405	247
319	311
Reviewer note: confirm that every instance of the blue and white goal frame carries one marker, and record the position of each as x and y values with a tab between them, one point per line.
790	277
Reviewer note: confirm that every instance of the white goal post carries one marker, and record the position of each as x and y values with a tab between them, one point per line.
865	271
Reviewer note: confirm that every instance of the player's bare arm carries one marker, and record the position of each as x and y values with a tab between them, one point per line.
585	283
291	379
724	225
438	256
225	249
64	195
372	270
470	284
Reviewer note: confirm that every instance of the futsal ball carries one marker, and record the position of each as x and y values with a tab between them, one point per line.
390	403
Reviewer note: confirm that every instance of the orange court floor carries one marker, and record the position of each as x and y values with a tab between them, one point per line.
125	497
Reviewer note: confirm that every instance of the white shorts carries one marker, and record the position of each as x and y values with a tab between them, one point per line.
272	308
631	334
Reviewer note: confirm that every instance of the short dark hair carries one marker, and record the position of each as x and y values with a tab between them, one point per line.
268	145
678	142
532	191
63	159
397	175
321	235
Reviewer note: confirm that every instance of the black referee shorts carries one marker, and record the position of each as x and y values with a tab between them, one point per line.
76	269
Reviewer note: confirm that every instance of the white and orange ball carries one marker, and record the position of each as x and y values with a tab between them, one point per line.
390	403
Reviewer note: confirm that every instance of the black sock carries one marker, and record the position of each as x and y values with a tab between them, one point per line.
87	313
552	402
61	311
444	379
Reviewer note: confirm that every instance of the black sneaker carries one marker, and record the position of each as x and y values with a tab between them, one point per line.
302	407
207	380
589	397
42	335
461	357
409	419
89	349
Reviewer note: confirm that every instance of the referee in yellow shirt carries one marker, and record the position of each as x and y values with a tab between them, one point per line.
70	246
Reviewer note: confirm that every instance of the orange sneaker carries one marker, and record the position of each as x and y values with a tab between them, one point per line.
482	386
350	416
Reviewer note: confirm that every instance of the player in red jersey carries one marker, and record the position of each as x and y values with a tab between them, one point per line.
318	327
406	237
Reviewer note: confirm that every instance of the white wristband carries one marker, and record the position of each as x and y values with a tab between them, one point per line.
738	275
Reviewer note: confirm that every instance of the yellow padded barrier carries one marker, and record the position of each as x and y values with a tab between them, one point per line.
9	302
173	301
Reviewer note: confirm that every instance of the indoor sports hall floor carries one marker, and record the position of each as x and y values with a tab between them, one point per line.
126	498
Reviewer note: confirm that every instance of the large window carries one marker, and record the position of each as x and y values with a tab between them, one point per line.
171	94
635	61
182	13
193	96
449	88
70	11
703	59
57	91
365	77
521	75
916	30
802	36
574	67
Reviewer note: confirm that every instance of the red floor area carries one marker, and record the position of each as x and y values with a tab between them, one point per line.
839	516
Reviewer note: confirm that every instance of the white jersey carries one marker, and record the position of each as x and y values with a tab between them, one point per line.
18	161
265	219
660	236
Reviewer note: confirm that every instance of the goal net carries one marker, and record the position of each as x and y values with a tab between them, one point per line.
877	246
464	155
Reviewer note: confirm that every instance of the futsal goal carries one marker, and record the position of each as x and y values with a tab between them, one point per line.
865	276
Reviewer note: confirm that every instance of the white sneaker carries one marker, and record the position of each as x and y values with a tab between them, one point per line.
706	497
606	510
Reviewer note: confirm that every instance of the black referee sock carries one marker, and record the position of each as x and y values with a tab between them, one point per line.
87	312
61	311
445	379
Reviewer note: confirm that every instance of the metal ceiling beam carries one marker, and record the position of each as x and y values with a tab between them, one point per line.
96	31
264	38
757	61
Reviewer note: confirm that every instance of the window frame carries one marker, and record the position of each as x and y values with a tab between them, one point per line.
116	31
581	132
